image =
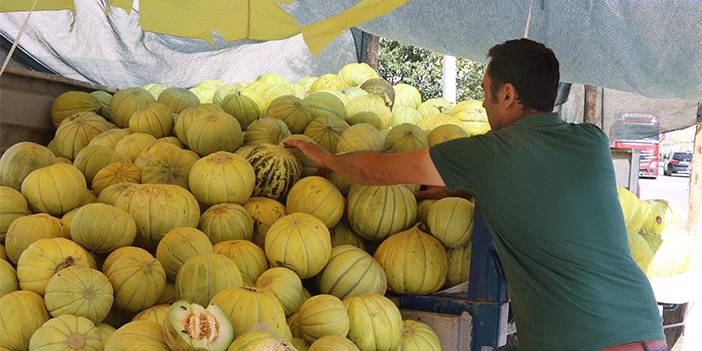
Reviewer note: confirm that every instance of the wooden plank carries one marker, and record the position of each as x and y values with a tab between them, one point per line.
590	107
372	51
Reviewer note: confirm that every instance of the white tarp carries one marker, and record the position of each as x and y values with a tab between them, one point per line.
648	47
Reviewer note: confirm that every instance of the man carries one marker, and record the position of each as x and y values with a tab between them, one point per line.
548	193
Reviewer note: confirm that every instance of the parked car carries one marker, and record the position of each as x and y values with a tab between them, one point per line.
678	162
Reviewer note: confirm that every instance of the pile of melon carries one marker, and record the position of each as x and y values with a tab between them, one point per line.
168	218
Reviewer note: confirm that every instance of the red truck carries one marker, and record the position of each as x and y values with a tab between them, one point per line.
639	130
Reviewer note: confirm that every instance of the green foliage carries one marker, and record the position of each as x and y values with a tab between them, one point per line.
421	68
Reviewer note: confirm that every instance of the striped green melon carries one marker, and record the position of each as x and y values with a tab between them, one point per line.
352	92
323	315
381	88
102	228
185	118
79	291
171	140
178	99
276	170
375	212
333	343
324	103
212	132
309	168
21	159
423	210
226	90
266	130
72	102
365	117
75	133
291	110
328	82
342	234
138	280
249	258
444	133
300	242
156	314
357	73
8	278
12	206
105	98
458	265
342	183
155	119
249	307
25	230
29	314
227	221
405	137
417	336
261	341
319	197
407	96
285	286
414	262
382	314
202	277
165	163
326	131
404	114
137	335
245	109
44	258
451	221
55	189
178	246
154	89
157	209
352	272
93	158
127	101
132	145
371	103
222	177
434	106
360	137
264	212
110	137
115	173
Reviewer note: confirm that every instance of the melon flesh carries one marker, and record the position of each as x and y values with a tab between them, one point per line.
192	327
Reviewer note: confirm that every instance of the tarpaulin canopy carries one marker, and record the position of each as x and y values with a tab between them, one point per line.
647	47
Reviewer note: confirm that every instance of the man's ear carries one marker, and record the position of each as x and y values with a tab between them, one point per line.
509	94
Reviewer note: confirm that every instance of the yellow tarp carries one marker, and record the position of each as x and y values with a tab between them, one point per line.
232	19
42	5
319	35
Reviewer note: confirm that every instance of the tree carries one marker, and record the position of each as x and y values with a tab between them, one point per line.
421	68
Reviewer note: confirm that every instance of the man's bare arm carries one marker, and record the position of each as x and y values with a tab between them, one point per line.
375	168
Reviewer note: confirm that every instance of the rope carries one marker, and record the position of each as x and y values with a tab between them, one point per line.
528	21
17	39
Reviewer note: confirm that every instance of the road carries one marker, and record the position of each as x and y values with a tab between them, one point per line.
675	190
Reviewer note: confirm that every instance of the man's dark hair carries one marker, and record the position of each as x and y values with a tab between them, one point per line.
530	67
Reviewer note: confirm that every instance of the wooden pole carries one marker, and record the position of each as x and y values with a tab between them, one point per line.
695	196
590	106
372	53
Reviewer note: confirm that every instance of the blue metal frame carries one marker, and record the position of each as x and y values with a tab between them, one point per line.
487	290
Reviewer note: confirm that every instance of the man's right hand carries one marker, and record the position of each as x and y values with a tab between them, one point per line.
312	151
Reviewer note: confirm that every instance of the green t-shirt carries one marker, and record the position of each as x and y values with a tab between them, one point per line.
548	193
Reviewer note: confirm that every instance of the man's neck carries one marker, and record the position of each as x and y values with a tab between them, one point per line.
526	113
